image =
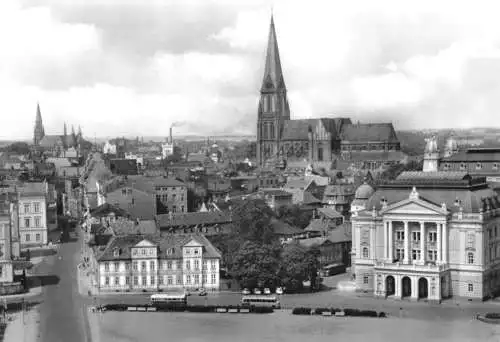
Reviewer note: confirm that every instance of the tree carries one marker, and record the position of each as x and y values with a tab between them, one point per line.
256	265
252	220
228	245
297	265
18	148
294	215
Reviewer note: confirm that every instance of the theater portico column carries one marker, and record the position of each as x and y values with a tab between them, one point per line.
444	252
407	241
391	247
438	247
422	242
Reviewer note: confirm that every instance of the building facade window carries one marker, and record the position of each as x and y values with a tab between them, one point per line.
188	265
365	279
106	267
153	281
214	279
470	287
204	278
416	236
37	237
117	281
196	264
188	279
196	278
144	279
127	280
170	281
365	252
470	258
27	222
143	266
26	208
117	266
400	235
432	236
136	280
169	265
152	266
135	266
37	207
106	281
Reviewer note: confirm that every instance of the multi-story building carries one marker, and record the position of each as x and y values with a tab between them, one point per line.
276	198
428	235
33	205
172	193
157	262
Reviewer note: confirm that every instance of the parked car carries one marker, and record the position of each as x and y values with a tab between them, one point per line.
267	291
279	290
202	292
246	292
257	291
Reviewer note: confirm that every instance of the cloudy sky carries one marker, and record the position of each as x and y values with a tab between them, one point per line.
133	67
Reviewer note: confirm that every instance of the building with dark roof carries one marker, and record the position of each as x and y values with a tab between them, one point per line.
428	235
155	262
281	139
208	222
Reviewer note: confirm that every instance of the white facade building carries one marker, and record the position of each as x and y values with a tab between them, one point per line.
33	214
151	263
109	148
429	235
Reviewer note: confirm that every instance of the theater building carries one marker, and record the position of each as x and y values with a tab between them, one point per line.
428	236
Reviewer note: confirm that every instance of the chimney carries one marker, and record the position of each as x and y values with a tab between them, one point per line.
171	139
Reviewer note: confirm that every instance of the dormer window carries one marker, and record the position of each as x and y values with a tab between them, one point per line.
196	251
463	166
447	166
495	166
479	166
116	252
458	202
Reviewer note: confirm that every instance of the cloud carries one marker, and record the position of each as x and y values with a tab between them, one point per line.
133	67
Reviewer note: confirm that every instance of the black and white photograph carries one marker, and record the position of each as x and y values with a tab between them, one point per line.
249	170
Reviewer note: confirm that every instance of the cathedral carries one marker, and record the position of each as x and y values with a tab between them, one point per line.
280	139
66	145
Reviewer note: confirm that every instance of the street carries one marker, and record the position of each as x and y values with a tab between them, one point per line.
62	315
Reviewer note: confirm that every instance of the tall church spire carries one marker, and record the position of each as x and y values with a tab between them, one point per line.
273	75
273	110
39	131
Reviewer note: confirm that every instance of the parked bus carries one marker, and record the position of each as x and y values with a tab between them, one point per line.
169	299
256	300
333	269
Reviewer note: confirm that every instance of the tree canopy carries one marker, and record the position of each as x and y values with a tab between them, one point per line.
294	215
297	265
256	265
252	220
17	148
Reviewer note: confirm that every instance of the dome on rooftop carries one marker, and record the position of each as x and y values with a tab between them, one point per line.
451	144
364	191
431	146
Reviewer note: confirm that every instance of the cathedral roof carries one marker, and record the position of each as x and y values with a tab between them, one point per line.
299	129
50	140
273	75
376	132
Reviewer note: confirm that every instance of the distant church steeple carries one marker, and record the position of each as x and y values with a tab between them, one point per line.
273	109
39	131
